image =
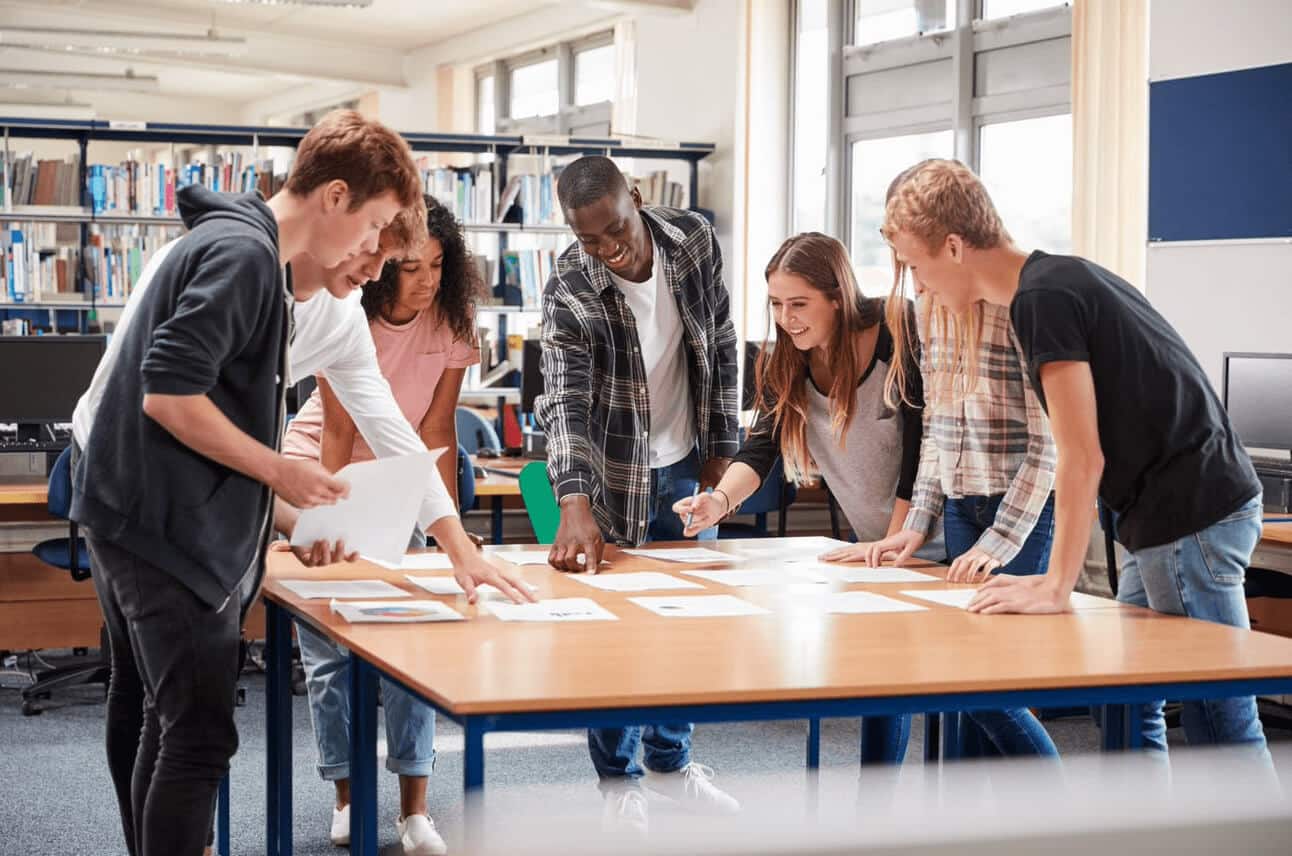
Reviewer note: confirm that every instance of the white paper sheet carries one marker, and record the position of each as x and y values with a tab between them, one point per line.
802	550
380	512
556	609
699	606
858	602
528	557
326	589
883	575
448	585
394	611
960	598
417	562
636	581
760	576
691	555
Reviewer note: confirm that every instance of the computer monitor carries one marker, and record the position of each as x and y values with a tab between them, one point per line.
1257	391
531	374
42	377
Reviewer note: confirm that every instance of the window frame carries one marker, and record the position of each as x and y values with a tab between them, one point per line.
569	117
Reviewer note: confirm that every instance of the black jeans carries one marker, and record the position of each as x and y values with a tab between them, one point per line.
170	728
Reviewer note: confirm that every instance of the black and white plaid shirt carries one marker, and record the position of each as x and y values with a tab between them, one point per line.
595	409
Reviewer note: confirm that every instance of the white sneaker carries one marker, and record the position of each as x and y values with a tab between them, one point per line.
693	788
340	834
624	810
418	836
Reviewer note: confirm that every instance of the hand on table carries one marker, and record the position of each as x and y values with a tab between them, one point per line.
1033	595
578	535
899	547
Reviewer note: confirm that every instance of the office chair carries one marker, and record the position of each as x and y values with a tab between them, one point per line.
540	502
475	432
69	554
466	481
775	494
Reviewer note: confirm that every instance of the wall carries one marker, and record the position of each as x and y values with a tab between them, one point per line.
1227	295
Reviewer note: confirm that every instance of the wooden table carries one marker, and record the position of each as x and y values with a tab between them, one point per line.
795	663
497	486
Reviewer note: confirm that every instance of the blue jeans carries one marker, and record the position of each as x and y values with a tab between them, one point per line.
410	723
665	747
1014	731
1201	576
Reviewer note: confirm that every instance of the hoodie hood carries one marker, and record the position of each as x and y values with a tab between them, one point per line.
197	205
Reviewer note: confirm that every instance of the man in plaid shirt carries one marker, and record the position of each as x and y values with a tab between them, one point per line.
639	406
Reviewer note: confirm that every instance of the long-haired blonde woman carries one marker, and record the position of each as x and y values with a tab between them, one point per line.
821	407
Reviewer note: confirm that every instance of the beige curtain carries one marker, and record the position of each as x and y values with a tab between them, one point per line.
1110	134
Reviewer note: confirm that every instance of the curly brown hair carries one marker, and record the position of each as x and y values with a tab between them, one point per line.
461	285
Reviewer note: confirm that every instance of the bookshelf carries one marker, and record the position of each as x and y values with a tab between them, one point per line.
502	148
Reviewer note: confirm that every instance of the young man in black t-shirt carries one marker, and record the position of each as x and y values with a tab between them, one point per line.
1134	419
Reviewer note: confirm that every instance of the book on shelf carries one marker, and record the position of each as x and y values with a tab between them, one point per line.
46	181
530	199
116	255
528	271
466	191
140	188
35	267
657	189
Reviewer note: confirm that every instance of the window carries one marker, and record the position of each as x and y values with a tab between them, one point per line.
1005	8
485	106
811	115
884	20
535	90
594	75
875	163
1027	167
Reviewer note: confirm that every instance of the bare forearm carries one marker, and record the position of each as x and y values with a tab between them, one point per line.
1076	486
898	519
452	539
196	422
739	482
285	516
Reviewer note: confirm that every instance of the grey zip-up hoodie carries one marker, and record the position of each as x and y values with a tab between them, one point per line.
212	318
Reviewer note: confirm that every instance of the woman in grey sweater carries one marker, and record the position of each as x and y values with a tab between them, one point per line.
821	408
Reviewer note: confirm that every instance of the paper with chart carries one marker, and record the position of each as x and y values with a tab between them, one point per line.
448	586
328	589
636	581
854	602
699	606
688	555
760	576
379	514
417	562
394	611
882	575
556	609
528	557
960	598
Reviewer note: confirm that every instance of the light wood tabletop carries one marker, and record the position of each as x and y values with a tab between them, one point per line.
495	483
797	652
24	493
1277	533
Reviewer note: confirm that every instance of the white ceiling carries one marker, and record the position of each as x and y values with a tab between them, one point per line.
288	45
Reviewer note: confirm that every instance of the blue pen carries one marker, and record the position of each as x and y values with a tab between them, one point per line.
691	513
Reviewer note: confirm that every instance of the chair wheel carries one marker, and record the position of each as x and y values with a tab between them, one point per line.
29	708
240	697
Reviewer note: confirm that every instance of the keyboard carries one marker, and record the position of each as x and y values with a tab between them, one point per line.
9	445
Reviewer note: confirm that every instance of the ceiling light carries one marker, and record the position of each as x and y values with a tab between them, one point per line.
119	41
26	79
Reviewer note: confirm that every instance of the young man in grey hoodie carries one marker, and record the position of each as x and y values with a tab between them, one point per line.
176	461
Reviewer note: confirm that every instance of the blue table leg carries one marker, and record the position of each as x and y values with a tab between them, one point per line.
932	735
951	736
278	733
1113	725
814	743
1134	726
363	757
473	734
496	514
222	817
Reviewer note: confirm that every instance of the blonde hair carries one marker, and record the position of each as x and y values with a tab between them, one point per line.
781	372
931	200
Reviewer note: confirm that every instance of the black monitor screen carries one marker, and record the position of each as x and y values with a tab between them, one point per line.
1258	396
42	377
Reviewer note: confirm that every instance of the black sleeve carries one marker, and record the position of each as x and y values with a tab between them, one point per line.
761	445
1051	324
912	416
219	309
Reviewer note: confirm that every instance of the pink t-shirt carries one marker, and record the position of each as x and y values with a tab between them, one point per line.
412	357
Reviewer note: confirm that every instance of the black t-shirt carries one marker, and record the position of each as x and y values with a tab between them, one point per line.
1172	463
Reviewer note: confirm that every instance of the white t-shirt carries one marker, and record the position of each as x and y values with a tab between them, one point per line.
668	385
333	339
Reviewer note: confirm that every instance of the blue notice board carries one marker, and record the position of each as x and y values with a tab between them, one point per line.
1220	156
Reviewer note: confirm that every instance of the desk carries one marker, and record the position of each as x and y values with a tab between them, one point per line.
497	486
795	663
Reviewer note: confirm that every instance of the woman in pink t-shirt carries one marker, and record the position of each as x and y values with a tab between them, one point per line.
421	312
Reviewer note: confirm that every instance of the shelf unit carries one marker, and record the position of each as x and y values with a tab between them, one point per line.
85	131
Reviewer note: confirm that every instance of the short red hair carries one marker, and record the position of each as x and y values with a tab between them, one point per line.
369	157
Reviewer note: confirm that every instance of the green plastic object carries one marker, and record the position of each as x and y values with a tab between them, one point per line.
540	502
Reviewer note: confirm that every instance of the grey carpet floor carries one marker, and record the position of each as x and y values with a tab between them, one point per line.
55	796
